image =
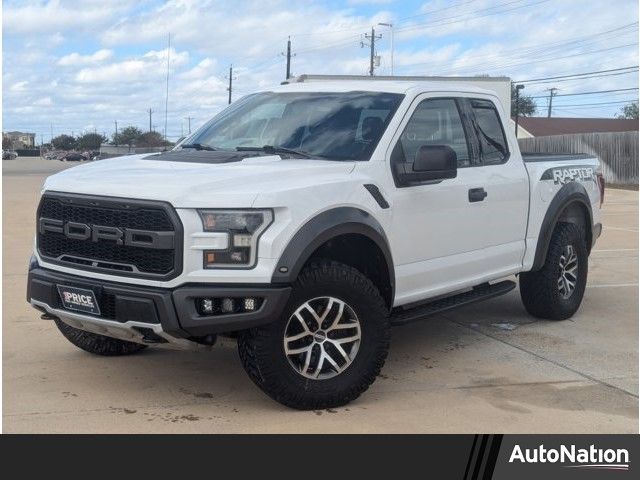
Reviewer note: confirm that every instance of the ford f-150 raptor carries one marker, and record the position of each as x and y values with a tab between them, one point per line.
307	219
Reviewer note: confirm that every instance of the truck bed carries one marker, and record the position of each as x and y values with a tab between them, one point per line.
548	173
553	157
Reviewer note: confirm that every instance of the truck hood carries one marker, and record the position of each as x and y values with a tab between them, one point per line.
185	184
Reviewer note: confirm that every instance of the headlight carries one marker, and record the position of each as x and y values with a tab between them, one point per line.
243	229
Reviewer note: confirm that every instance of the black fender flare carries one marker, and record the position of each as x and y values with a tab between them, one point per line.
572	192
322	228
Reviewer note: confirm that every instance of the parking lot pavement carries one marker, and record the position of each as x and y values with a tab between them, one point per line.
485	368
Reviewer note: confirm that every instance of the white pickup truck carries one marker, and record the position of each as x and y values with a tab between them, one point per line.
305	221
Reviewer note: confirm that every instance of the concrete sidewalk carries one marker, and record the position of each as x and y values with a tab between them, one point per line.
486	368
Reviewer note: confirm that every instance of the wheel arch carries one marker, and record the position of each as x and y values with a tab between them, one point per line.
342	223
571	204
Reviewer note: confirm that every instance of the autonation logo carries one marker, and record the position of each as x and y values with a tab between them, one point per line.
573	457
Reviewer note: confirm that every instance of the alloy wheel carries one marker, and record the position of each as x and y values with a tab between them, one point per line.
568	272
322	338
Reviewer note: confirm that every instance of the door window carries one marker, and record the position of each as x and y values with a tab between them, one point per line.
492	141
434	122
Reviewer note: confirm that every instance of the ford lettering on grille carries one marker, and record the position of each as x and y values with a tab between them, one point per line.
124	237
95	233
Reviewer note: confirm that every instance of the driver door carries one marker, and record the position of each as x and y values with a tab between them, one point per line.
439	227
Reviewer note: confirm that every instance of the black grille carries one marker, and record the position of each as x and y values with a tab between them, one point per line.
106	254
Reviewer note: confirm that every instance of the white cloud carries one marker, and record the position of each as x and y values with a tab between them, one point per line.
19	86
43	102
55	15
206	67
151	64
75	59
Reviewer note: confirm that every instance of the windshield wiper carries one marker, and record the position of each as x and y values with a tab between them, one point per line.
273	150
199	146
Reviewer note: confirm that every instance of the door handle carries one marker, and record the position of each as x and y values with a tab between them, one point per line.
477	194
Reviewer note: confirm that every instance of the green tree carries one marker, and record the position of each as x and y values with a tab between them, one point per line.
527	107
127	136
629	111
64	142
150	139
7	144
91	141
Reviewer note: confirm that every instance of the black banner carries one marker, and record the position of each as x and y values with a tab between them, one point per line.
463	457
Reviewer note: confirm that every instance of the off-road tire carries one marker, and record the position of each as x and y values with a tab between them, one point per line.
262	352
539	290
97	344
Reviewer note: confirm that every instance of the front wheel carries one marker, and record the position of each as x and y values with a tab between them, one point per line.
328	347
555	291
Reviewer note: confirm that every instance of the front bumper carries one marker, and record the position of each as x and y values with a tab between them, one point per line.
152	315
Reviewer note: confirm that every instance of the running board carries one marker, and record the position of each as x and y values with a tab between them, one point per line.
477	294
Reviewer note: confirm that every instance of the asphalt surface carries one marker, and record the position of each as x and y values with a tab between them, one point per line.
488	367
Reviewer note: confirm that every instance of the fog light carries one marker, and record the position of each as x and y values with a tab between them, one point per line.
206	305
228	305
250	304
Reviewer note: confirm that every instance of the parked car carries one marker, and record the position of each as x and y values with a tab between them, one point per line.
308	219
9	155
73	157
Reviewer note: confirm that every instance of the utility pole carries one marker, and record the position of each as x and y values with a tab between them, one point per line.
552	93
230	88
115	138
166	100
518	88
390	25
288	55
51	133
150	125
188	119
372	43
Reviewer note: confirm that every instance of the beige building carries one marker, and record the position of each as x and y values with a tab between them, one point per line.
21	140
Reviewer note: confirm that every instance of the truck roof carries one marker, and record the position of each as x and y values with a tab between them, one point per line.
499	87
390	86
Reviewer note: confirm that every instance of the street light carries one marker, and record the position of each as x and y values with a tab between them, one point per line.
390	25
518	88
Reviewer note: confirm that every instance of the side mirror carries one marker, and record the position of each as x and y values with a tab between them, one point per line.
436	162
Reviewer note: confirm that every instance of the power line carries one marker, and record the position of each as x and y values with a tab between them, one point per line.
554	58
574	75
454	5
631	100
470	15
583	78
589	93
544	49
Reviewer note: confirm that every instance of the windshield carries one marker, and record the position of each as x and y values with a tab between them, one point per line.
333	126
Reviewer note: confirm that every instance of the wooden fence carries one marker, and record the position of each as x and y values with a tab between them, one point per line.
618	152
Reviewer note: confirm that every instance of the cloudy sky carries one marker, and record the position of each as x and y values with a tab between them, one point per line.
74	66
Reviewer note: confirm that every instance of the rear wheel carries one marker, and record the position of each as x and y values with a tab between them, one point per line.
555	291
328	347
97	344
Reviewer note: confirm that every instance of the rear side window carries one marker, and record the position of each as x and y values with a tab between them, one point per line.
492	141
434	122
